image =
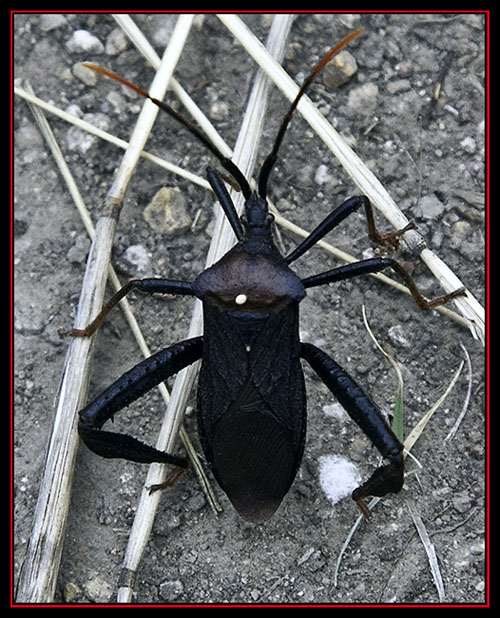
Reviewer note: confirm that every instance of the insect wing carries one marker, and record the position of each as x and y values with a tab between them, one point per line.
251	408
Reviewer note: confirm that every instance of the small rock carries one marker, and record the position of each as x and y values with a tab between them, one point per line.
462	502
137	259
477	549
28	318
461	230
74	110
116	42
167	212
255	594
98	590
88	77
72	592
469	145
339	70
196	502
309	552
77	254
78	139
20	227
116	101
51	21
163	31
364	99
322	175
83	41
398	85
335	410
429	207
398	336
171	589
27	137
480	586
219	111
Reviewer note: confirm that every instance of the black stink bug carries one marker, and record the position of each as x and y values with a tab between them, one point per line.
251	395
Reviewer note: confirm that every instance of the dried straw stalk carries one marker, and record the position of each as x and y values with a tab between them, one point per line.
39	573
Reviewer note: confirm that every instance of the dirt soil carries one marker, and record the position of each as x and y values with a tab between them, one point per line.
435	174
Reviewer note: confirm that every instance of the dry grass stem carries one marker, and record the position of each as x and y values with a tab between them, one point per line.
39	575
416	432
112	139
429	550
142	44
465	406
149	109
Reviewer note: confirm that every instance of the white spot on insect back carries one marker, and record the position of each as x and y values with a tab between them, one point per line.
338	477
241	299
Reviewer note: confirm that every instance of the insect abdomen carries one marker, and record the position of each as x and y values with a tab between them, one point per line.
253	456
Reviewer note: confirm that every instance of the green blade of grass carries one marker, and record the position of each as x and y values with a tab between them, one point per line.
398	410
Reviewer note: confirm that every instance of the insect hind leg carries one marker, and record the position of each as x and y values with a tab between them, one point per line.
132	385
388	478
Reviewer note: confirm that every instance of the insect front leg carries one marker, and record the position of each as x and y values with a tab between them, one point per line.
389	240
132	385
146	286
388	478
375	265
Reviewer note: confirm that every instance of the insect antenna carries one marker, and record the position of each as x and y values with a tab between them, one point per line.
231	167
271	159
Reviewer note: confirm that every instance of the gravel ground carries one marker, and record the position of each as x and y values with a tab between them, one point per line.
435	174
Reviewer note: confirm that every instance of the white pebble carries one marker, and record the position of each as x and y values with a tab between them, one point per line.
84	42
338	477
